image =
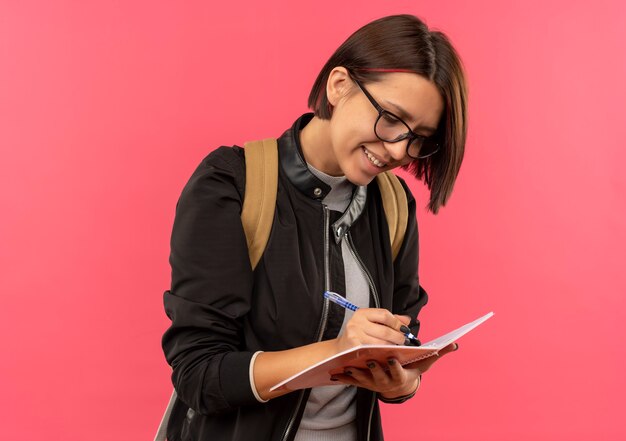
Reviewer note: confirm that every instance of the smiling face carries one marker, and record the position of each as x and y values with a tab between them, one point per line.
355	151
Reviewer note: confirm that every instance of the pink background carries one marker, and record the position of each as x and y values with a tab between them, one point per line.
107	107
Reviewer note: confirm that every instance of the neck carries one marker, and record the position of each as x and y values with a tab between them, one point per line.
316	147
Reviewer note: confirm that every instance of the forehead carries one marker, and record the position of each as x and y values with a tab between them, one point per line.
410	96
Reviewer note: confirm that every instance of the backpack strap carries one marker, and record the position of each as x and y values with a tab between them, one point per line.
396	208
161	434
259	203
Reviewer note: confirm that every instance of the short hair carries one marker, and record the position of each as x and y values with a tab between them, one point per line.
404	42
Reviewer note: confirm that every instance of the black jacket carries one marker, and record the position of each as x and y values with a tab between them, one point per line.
222	312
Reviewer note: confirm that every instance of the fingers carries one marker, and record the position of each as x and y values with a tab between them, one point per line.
391	377
450	348
405	319
385	334
382	316
395	369
384	377
373	377
379	325
374	326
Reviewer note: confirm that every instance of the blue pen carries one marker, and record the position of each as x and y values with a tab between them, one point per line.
344	303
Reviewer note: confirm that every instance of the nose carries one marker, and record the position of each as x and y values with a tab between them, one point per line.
397	150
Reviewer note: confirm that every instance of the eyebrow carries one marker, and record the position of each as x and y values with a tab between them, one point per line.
405	115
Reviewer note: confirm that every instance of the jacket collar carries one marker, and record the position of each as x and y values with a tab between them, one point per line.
295	167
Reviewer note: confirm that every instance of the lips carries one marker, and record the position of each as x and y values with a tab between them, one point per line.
373	159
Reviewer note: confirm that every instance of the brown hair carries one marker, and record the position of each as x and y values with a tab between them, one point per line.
404	42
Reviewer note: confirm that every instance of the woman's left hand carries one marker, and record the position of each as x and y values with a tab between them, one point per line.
395	382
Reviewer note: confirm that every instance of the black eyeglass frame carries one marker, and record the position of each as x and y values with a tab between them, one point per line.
410	135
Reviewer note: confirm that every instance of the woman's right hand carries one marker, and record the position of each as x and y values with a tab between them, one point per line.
372	326
367	326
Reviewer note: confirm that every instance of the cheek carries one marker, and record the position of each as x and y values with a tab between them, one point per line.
351	134
348	145
343	135
354	121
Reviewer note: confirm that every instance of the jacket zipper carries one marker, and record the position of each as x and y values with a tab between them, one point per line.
376	304
320	331
323	320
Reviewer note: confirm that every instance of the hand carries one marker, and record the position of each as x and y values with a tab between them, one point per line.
372	326
397	381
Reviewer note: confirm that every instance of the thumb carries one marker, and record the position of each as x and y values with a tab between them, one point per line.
450	348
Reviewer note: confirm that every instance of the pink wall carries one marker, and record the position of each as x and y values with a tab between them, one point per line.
107	107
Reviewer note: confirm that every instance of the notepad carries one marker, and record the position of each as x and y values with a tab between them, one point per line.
320	373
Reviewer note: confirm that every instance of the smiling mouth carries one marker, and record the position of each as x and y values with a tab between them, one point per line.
373	160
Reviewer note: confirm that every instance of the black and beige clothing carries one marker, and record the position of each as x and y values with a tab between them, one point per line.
222	312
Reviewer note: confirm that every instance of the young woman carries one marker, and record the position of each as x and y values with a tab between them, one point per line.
392	95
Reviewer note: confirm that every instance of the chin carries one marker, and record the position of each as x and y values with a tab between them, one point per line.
359	178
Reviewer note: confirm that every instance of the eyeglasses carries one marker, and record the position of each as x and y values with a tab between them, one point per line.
391	128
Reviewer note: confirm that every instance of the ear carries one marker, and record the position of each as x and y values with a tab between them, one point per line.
338	85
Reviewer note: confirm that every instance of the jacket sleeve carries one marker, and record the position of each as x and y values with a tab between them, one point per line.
210	289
